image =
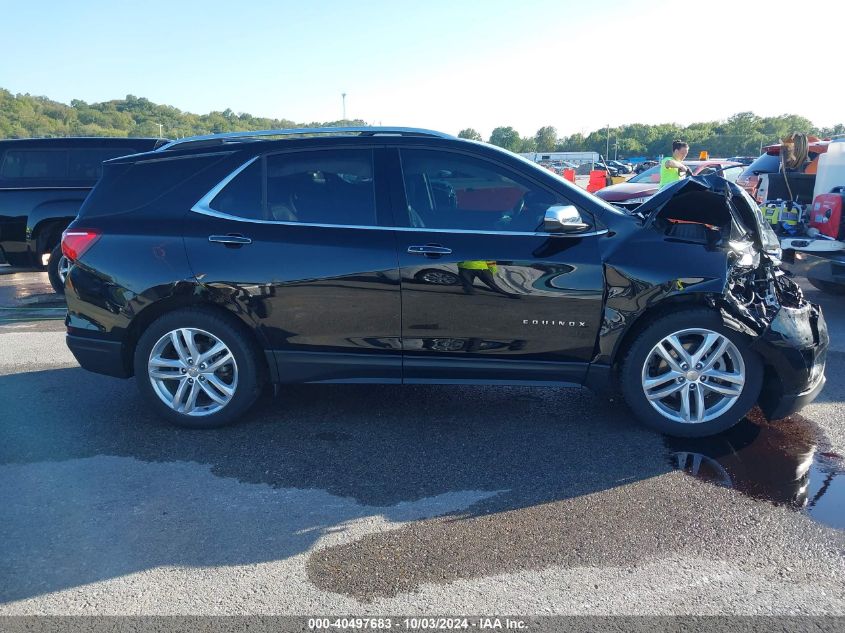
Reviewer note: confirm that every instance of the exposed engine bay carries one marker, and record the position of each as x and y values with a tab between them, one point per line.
719	215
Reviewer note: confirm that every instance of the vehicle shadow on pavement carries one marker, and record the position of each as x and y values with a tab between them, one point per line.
96	486
492	479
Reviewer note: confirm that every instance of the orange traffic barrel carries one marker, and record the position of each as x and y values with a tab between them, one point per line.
569	174
598	180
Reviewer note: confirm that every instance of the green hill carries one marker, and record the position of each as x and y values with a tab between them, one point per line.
26	116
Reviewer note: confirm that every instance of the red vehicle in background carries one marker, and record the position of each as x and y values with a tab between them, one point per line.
638	189
769	163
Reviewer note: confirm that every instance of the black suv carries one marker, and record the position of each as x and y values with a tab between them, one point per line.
216	264
43	182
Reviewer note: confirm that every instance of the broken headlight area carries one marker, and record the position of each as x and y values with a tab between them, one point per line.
754	294
721	216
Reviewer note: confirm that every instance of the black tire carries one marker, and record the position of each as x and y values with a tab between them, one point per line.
638	354
235	336
827	286
53	270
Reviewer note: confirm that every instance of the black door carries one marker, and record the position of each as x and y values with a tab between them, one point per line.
295	240
487	295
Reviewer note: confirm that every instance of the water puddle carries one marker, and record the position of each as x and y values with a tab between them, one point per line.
28	296
786	462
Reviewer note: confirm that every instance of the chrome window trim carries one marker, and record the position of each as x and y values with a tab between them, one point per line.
203	207
405	229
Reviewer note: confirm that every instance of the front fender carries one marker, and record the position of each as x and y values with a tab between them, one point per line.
644	270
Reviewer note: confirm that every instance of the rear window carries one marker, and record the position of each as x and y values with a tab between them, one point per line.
130	186
38	166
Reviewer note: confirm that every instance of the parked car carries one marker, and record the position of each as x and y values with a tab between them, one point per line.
742	160
643	166
212	266
584	169
769	163
621	168
560	165
641	187
42	185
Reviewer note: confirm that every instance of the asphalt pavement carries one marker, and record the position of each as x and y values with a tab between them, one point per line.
359	499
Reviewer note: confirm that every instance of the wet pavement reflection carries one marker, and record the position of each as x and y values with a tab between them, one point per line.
787	462
28	296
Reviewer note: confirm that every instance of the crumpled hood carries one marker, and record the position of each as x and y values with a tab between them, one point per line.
712	200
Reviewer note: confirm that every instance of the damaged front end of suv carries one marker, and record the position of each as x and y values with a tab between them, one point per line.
713	248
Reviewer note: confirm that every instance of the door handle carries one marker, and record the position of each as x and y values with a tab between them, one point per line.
431	250
233	239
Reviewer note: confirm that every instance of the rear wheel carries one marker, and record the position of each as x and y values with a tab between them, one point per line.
827	286
197	369
57	269
688	375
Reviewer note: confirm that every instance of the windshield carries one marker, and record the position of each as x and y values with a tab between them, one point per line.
648	176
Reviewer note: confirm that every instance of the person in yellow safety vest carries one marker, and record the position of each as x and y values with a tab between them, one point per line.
483	270
672	166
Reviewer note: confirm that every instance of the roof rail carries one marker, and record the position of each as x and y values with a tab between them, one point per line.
235	137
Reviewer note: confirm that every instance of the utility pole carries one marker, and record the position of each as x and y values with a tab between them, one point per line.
160	131
343	96
607	150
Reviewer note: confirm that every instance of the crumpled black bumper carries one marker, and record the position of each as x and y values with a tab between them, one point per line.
794	348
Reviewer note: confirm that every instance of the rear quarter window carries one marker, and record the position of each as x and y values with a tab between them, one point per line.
127	187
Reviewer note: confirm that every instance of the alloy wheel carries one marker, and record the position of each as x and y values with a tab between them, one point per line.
693	375
193	372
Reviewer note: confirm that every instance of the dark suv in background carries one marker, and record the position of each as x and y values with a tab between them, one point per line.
42	185
215	264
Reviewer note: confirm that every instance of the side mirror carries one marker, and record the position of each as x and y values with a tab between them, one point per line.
563	219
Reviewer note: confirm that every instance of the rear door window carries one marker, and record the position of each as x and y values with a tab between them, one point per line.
334	187
242	196
322	187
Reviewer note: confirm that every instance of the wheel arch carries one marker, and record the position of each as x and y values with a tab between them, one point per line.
668	305
163	306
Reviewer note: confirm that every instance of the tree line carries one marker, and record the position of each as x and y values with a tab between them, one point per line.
742	134
27	116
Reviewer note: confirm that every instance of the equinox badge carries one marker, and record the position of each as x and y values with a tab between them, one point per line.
554	322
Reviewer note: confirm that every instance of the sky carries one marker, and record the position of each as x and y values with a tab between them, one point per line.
437	64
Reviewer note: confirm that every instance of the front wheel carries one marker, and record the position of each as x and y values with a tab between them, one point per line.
57	269
689	375
197	369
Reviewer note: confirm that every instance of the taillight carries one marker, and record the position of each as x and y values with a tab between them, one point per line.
75	242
